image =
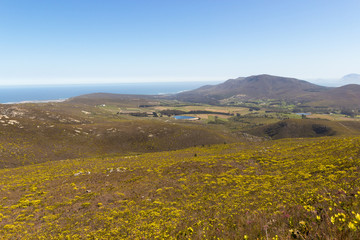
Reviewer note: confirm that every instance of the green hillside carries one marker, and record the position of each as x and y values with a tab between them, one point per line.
283	189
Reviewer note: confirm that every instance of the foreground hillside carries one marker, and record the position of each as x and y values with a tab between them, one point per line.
283	189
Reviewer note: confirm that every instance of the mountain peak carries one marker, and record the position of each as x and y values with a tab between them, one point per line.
263	86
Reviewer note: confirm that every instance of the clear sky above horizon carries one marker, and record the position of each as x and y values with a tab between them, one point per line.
93	41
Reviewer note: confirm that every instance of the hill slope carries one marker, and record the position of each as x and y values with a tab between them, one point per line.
347	96
303	128
34	133
284	189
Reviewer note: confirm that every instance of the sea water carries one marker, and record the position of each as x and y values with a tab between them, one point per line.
38	93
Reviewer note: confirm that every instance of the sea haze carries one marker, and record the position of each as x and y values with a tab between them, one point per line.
34	93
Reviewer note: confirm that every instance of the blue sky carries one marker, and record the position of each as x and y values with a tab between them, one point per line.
93	41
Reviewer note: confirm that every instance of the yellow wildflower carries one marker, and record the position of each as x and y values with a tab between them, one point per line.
352	226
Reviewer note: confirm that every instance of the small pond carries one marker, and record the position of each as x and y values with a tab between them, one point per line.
306	114
184	118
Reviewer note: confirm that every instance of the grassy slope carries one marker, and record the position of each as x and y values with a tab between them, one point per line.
303	188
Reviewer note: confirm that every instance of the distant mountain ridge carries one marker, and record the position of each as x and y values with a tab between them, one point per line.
275	87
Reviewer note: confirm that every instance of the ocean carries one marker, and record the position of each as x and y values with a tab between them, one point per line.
39	93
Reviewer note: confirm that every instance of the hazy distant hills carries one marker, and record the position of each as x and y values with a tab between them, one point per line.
275	87
352	78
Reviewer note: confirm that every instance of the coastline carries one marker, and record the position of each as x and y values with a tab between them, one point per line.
38	101
54	93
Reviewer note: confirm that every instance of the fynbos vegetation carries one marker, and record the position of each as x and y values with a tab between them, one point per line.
301	189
